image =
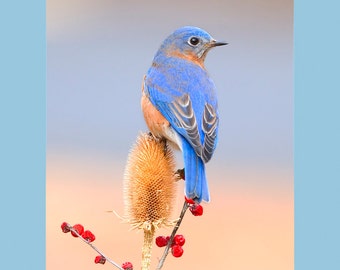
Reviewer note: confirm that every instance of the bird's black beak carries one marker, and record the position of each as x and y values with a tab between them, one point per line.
218	43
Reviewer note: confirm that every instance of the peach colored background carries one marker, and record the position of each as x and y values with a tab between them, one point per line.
242	228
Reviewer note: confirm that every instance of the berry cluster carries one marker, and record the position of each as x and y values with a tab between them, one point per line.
77	230
176	245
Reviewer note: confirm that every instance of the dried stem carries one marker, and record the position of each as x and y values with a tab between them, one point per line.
95	248
149	232
167	248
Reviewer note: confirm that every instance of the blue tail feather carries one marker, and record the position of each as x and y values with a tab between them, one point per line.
196	186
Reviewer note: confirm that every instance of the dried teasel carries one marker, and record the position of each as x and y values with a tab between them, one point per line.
149	188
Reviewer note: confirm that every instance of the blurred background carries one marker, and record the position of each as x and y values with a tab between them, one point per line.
97	54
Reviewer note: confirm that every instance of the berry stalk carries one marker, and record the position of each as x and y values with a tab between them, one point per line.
168	246
76	233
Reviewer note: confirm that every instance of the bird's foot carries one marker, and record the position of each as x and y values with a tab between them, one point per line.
180	173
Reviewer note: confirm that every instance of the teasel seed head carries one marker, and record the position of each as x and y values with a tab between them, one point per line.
149	183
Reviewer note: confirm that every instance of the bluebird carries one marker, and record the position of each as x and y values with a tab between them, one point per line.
179	103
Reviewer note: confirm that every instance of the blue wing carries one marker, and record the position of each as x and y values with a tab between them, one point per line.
185	96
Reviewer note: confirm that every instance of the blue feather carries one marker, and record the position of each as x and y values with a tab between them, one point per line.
195	180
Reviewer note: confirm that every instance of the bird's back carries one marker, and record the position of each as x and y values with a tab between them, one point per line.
172	78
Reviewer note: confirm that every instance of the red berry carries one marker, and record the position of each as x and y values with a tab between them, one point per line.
179	240
88	235
168	239
79	228
189	201
65	227
127	266
177	251
196	209
161	241
100	259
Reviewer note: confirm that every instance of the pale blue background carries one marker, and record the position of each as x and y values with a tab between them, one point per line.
98	52
22	134
317	135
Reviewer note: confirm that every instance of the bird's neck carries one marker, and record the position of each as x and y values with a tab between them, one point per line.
163	55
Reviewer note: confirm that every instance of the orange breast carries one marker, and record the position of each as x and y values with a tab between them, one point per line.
155	121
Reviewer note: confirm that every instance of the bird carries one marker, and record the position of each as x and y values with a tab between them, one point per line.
179	103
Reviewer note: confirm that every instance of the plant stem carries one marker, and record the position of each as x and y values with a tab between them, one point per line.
167	248
95	248
149	232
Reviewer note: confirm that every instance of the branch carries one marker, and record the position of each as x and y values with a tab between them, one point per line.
68	226
167	248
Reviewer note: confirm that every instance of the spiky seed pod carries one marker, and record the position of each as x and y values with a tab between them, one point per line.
149	188
149	182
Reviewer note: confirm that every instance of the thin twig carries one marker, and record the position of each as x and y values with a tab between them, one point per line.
167	248
95	248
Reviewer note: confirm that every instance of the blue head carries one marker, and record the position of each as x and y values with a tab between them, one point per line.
191	43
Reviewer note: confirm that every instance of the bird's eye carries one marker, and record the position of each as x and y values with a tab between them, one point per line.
193	41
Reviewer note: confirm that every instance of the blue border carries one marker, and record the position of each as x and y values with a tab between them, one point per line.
22	142
317	134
